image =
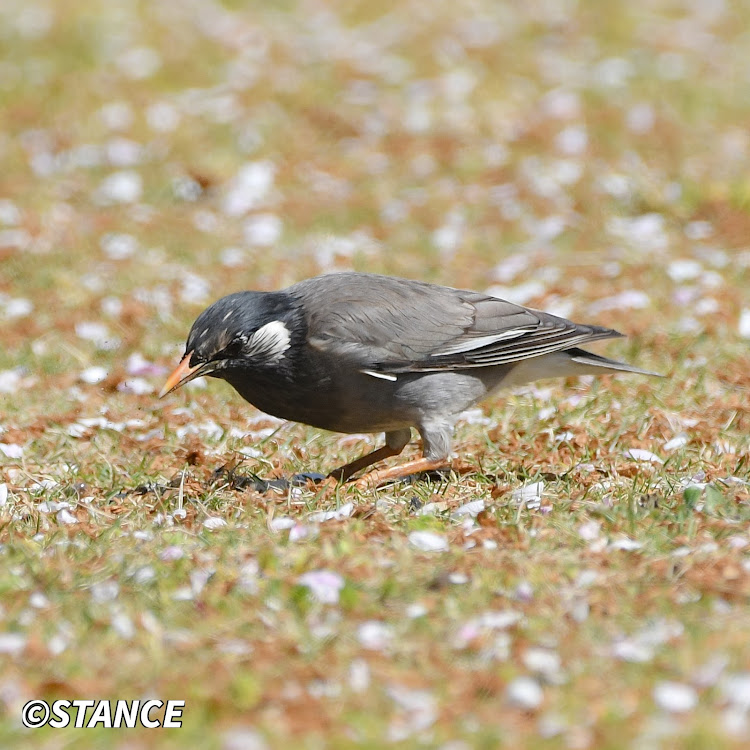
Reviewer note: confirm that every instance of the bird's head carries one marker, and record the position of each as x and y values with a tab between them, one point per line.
240	331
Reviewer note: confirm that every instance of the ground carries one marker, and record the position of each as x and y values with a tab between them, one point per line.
582	578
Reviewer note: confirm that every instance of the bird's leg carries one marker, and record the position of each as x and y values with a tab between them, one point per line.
395	442
349	470
418	465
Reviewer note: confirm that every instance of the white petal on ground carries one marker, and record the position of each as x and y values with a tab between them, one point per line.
281	523
744	324
629	299
640	118
590	530
3	495
93	375
542	661
38	600
122	625
684	269
300	531
325	585
249	187
139	62
105	591
374	635
117	115
19	239
194	288
678	441
125	186
65	517
137	364
123	152
9	213
428	541
675	697
17	307
262	230
519	294
420	712
572	140
138	386
359	675
118	245
631	650
416	609
12	643
243	738
525	693
162	117
471	509
645	233
10	381
487	621
232	257
529	494
640	454
625	543
214	522
332	515
11	450
171	553
735	689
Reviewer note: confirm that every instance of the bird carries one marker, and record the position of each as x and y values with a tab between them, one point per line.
365	353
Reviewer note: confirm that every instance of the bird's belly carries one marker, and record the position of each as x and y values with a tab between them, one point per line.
356	402
329	405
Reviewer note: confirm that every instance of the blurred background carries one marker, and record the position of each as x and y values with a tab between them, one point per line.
588	159
586	583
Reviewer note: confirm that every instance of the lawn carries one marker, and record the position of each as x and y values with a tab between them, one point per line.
581	579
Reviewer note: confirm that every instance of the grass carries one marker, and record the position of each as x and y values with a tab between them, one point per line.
597	162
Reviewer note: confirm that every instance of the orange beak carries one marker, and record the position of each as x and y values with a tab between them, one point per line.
182	374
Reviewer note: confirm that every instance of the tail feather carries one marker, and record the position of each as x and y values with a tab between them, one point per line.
581	356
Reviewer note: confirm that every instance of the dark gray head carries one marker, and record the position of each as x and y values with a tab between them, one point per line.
245	330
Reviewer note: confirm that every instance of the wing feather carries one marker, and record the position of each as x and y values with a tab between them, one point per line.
383	324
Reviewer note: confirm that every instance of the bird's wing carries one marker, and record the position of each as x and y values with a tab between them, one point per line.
389	325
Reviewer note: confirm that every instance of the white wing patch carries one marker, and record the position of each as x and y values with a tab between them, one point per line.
381	375
269	342
477	342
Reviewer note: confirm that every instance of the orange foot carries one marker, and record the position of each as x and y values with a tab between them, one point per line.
380	476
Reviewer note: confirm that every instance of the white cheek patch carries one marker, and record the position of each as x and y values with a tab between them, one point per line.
269	342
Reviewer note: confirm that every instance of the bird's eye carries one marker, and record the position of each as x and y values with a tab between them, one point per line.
231	350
